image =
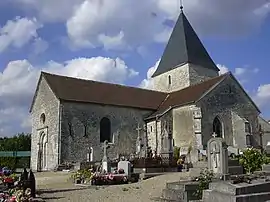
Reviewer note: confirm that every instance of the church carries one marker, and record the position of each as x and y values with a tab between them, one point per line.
71	118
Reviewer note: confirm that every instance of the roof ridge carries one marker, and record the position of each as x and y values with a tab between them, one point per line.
101	82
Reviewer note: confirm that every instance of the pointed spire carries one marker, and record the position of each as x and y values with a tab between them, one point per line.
184	46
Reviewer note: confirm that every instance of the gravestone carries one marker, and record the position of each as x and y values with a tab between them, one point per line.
139	140
217	153
106	167
183	151
126	166
90	154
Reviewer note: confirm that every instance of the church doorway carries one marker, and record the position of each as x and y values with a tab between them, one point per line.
42	152
217	127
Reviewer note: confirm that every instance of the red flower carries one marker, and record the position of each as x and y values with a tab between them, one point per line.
8	180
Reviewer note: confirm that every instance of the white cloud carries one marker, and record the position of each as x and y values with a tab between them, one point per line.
128	24
148	83
223	69
19	78
39	46
262	96
240	71
18	32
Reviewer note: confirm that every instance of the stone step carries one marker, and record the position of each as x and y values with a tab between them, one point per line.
179	195
173	194
183	185
214	196
200	164
236	170
240	189
233	162
160	199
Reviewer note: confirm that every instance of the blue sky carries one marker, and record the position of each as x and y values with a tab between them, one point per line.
118	41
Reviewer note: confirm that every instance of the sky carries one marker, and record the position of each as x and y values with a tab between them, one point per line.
121	41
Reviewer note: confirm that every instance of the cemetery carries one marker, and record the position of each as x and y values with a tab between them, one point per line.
221	174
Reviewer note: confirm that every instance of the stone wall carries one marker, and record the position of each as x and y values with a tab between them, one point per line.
75	142
155	130
45	103
182	77
265	127
231	105
183	129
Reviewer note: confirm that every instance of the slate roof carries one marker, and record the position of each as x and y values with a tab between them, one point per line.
184	46
88	91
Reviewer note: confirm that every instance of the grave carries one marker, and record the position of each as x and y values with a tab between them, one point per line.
106	167
126	166
223	191
182	191
217	153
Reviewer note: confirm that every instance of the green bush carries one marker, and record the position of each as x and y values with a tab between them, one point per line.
205	178
176	151
13	163
252	160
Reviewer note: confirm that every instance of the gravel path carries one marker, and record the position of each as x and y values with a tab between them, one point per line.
56	187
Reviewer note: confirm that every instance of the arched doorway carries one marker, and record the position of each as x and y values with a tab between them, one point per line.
217	127
42	152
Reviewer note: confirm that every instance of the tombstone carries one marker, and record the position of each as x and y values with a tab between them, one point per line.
217	153
126	166
105	161
139	141
32	183
183	151
267	148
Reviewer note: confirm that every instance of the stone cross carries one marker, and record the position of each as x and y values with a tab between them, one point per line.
215	153
139	129
214	135
105	147
138	146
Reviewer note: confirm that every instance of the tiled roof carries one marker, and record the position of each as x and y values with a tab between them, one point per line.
88	91
184	46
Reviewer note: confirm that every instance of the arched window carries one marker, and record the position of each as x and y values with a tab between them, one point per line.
247	127
217	127
105	130
42	118
169	80
248	134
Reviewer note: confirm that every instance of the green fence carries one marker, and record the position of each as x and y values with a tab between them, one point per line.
15	153
15	159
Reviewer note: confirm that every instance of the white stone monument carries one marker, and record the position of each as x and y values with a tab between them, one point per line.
105	161
217	153
126	166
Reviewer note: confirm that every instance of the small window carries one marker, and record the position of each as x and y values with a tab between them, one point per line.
169	80
247	128
42	118
151	128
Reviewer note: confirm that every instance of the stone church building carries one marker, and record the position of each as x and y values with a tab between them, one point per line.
71	118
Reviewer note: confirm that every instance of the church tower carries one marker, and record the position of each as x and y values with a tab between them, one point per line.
185	61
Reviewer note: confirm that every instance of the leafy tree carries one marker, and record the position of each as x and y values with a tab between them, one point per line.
20	142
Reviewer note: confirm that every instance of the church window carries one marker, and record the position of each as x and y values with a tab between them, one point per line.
169	80
42	118
247	128
217	127
151	128
105	130
70	129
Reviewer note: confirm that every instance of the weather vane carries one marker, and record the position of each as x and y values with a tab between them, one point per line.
181	5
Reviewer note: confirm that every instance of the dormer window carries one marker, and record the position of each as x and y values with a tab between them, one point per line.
169	80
